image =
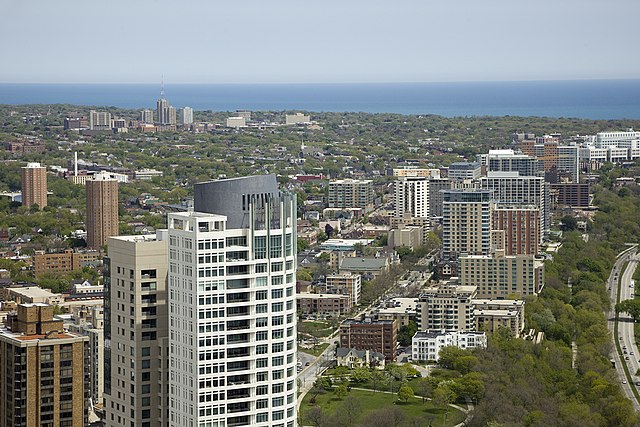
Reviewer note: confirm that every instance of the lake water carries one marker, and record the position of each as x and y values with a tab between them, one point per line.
591	99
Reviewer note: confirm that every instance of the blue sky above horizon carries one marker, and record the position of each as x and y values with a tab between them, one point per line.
329	41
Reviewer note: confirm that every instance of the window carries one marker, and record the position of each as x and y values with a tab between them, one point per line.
260	247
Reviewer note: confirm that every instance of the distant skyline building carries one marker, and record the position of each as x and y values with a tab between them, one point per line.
166	114
102	209
99	120
509	161
34	185
187	115
521	226
146	116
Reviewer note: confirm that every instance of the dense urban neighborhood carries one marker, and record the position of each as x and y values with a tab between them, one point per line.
281	268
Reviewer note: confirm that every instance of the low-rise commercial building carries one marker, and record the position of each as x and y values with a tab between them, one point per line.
324	304
62	262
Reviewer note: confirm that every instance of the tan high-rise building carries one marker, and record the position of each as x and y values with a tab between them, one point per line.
102	209
34	185
44	378
135	330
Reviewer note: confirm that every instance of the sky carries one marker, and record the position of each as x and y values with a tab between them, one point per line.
322	41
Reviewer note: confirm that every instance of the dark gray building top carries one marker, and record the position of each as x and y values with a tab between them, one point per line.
232	197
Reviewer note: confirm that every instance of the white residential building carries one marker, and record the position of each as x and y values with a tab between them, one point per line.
411	197
426	345
187	115
511	188
232	306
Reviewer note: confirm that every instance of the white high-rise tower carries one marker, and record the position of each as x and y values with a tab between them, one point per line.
232	306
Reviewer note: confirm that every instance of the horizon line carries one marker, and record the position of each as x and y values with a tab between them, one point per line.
329	83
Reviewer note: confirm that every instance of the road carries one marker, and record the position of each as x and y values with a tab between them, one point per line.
625	323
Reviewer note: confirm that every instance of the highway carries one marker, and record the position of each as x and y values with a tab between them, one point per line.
625	336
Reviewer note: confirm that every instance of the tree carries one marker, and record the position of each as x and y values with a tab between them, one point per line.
361	375
316	416
302	245
443	395
406	333
351	408
630	306
390	416
341	391
405	393
449	355
377	379
425	389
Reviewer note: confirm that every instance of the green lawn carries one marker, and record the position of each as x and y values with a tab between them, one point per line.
316	351
369	402
316	329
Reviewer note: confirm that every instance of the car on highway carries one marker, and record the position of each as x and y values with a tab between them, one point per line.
624	381
631	353
626	358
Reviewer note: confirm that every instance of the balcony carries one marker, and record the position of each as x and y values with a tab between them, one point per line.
237	311
237	338
237	325
238	366
239	393
233	408
238	352
238	379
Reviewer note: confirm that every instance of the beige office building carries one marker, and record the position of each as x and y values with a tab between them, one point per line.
102	209
44	378
500	276
34	185
492	314
135	330
447	307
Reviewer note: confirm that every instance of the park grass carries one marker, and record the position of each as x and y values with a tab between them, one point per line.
315	329
315	351
373	401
